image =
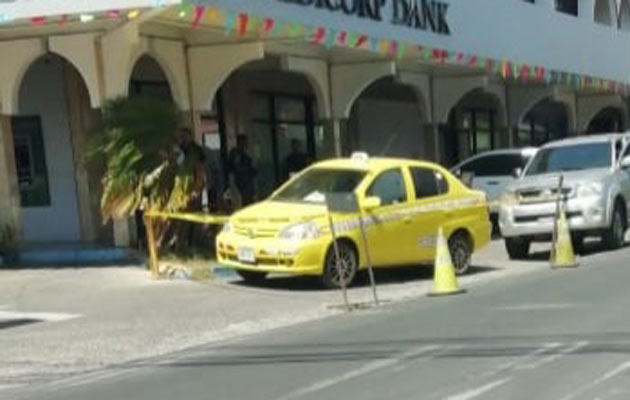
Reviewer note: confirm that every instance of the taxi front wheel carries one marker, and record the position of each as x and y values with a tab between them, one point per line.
459	247
346	270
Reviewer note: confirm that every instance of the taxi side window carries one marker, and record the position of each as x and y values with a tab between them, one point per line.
428	183
389	187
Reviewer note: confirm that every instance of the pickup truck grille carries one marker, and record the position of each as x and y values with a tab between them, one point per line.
536	218
544	195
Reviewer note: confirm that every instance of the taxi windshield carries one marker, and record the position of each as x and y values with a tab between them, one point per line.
314	184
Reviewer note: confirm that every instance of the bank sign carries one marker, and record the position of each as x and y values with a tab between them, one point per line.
426	15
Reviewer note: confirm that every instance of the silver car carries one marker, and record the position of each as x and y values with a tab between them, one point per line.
595	192
493	171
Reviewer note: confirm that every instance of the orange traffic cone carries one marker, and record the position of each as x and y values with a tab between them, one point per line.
444	280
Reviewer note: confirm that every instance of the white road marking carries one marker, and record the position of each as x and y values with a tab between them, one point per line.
517	361
50	317
476	392
364	370
536	307
608	375
553	357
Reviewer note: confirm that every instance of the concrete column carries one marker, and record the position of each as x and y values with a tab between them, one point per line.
336	141
431	135
10	211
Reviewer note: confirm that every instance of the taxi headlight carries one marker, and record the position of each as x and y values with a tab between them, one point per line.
307	230
509	198
590	189
227	228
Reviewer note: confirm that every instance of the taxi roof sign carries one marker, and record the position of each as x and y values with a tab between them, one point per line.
360	156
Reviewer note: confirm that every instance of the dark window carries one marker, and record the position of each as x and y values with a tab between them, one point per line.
567	6
428	183
389	187
495	165
30	160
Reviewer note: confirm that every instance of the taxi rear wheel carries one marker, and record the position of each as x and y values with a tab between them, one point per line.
459	247
346	270
252	276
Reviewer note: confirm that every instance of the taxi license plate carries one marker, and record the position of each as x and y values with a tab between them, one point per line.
246	254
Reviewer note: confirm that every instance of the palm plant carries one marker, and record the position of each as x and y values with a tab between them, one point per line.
144	168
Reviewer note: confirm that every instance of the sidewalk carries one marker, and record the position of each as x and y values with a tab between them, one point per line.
96	317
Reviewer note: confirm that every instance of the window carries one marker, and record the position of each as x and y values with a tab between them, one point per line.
428	183
389	187
313	186
567	6
495	165
479	125
572	158
30	161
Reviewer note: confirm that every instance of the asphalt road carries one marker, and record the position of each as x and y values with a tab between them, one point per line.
562	334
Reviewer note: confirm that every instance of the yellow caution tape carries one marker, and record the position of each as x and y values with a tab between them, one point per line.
200	218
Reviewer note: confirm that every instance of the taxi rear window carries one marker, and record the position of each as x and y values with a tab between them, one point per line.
312	186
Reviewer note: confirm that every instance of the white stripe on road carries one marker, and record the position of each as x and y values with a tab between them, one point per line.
476	392
364	370
553	357
517	361
609	375
50	317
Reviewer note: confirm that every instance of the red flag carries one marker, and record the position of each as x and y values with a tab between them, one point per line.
199	11
525	72
268	25
243	21
320	34
393	48
361	41
472	61
38	21
343	36
460	58
113	14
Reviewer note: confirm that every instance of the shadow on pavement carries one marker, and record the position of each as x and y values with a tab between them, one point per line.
444	348
589	249
382	276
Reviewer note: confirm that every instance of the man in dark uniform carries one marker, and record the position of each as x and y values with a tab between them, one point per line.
243	171
297	160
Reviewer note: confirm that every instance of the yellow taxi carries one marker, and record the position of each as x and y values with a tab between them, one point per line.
401	204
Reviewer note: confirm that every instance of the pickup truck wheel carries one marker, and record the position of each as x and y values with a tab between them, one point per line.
345	272
252	276
614	237
517	248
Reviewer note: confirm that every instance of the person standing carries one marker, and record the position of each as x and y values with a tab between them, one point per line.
297	160
242	170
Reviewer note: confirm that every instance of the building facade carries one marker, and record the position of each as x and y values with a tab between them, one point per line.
439	80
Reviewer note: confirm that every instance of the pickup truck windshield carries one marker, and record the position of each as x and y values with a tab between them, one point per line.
571	158
314	184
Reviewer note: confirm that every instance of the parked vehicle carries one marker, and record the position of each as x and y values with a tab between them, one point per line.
595	192
492	171
403	203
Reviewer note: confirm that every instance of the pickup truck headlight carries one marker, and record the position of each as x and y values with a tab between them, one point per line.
509	198
591	189
307	230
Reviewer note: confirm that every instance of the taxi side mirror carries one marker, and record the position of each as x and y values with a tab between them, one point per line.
625	162
371	203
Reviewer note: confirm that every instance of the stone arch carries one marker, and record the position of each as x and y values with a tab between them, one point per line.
178	93
211	66
549	119
610	111
475	122
349	81
603	12
555	96
623	15
389	118
316	72
449	92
